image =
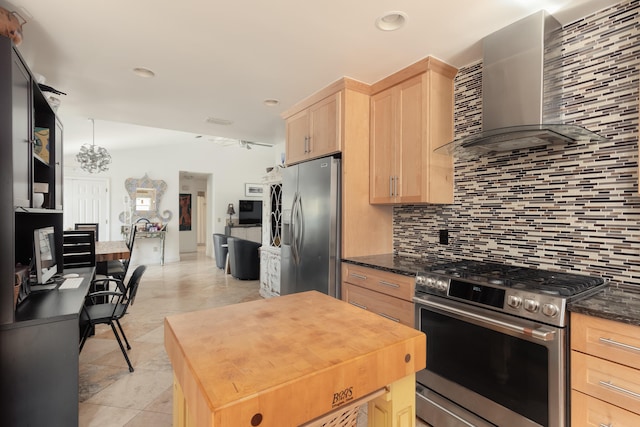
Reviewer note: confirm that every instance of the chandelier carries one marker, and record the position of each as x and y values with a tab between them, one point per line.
91	158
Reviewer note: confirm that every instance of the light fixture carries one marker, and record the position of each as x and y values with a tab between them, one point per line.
143	72
230	211
391	21
91	158
271	102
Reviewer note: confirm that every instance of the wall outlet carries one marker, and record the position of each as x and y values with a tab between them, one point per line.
444	237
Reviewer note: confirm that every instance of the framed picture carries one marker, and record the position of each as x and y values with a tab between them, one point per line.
41	147
253	190
185	212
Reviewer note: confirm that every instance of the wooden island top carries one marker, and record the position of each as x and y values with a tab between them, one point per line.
285	361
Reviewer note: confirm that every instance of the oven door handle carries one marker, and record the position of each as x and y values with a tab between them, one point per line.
538	333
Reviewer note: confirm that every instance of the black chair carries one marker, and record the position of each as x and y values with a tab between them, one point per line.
220	249
111	311
244	258
78	249
83	226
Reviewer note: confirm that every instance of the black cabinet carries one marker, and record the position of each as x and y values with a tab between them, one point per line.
39	340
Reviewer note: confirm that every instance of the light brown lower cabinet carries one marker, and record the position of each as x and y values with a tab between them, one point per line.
592	412
387	294
605	378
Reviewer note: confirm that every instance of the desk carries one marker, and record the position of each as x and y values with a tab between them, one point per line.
110	251
39	361
289	360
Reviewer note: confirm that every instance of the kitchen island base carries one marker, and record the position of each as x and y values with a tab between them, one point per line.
290	361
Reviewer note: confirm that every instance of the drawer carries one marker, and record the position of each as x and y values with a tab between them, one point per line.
605	380
587	411
386	306
396	285
615	341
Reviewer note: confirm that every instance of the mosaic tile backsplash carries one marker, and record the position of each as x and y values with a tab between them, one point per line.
569	208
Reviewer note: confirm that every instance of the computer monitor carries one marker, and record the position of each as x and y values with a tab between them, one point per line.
44	243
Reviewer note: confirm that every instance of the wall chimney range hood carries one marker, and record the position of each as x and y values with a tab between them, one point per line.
518	111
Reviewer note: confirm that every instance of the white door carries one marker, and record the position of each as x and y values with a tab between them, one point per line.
87	200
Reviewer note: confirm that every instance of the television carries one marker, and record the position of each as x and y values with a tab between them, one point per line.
44	243
250	212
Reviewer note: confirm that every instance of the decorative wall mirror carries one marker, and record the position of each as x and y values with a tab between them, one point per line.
145	200
145	195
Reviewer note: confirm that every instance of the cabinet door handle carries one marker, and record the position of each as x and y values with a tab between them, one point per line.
364	307
609	384
619	344
391	186
389	284
386	316
604	425
358	276
395	186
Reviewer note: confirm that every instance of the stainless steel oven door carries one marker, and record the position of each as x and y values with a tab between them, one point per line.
506	370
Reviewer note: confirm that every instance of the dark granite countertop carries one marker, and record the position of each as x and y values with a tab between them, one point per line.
619	303
399	264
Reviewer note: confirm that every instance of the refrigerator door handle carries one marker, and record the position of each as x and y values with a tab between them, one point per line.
300	228
292	230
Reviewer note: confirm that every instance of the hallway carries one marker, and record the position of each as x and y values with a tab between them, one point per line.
110	396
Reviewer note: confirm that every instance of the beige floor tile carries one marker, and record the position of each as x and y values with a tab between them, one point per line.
110	396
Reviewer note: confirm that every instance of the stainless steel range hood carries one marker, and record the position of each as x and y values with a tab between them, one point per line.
518	111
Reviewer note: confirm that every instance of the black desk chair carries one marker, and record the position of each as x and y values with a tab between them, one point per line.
78	249
86	226
111	311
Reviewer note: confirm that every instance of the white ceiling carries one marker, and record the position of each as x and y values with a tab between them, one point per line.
222	59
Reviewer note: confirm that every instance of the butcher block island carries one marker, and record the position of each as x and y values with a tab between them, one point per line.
292	360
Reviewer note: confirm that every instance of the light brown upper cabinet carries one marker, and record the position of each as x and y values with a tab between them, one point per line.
337	118
412	115
315	131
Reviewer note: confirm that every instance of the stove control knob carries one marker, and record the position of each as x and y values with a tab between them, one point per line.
420	280
514	301
441	285
550	310
431	282
531	305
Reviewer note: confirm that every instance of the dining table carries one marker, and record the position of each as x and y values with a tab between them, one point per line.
111	250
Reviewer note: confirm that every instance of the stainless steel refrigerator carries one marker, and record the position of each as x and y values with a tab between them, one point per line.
310	252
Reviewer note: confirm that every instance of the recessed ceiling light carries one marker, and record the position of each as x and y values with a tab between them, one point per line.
143	72
391	21
271	102
217	121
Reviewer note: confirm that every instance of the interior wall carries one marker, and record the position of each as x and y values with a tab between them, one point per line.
230	167
573	207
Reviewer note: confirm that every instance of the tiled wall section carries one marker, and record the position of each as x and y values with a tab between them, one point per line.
574	207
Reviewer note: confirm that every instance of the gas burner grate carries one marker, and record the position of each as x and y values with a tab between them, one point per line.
529	279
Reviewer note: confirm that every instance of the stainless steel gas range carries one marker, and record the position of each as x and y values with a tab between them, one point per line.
497	344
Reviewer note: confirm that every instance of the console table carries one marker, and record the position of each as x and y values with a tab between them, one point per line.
39	357
154	235
158	234
290	361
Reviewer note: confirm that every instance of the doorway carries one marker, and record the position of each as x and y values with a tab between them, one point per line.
194	187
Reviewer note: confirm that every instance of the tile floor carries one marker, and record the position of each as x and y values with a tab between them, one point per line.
110	396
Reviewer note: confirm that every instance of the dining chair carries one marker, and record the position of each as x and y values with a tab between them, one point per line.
112	310
119	268
87	226
78	249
